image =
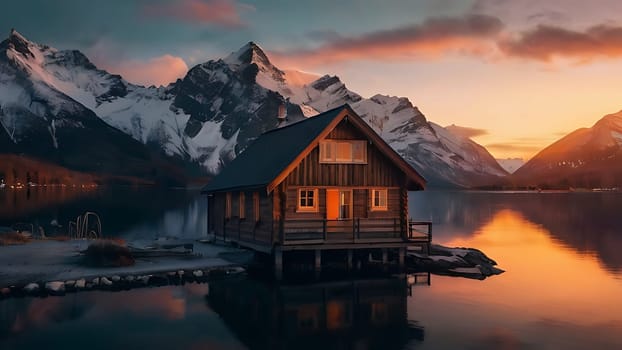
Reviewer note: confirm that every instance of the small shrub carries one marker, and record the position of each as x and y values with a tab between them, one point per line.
108	254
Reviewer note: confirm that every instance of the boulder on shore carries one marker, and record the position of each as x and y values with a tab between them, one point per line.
462	262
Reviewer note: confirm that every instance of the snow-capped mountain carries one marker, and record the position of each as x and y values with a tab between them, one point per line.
46	101
211	115
587	157
440	155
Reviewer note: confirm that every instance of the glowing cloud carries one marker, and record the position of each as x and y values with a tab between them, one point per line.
160	70
466	131
220	12
547	42
470	34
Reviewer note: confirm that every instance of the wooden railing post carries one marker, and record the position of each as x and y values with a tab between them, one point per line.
224	229
281	230
430	232
358	228
324	229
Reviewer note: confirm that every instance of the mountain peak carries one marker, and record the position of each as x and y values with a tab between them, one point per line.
611	121
247	54
19	43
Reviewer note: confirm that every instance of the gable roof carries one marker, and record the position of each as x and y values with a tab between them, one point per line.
272	156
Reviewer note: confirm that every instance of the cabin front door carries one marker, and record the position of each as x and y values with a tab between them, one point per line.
338	204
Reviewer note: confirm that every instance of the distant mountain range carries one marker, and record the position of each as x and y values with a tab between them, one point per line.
58	106
585	158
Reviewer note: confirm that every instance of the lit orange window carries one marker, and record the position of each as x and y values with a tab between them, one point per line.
379	199
343	151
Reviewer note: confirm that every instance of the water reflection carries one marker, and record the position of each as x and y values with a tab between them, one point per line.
587	222
226	314
364	314
166	317
551	296
131	213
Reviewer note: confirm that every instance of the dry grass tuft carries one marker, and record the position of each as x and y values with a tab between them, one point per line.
13	238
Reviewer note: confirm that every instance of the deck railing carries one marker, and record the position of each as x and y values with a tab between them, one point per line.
350	230
420	230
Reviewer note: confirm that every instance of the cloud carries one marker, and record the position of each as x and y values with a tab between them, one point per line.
224	13
160	70
513	147
470	34
466	131
544	43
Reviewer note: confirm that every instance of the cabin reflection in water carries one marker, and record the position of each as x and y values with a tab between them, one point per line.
363	314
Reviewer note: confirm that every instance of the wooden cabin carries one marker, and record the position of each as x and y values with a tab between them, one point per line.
326	183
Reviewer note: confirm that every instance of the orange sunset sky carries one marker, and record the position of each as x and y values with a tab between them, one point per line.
517	74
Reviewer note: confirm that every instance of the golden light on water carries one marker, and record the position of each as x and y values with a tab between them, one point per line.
543	277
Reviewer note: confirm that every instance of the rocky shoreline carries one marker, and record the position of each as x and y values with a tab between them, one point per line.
53	269
120	282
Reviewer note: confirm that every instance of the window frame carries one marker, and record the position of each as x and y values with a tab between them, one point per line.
242	205
228	205
309	209
256	207
329	151
379	207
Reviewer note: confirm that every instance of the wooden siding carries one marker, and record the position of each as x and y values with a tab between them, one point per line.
245	229
361	204
379	170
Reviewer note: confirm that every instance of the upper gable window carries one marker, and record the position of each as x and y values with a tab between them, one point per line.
343	151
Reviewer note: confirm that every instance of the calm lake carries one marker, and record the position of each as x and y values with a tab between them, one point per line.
561	288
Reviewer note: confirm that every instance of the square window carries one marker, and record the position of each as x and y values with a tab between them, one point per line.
307	199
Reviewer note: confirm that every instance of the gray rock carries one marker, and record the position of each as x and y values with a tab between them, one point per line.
80	284
197	273
104	281
115	278
70	283
130	278
95	281
55	287
31	288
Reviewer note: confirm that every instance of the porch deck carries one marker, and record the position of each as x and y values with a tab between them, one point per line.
355	231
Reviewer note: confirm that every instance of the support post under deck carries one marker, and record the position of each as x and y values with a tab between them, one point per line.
349	259
318	260
402	258
278	263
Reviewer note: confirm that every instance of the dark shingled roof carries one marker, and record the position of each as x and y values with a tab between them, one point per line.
265	158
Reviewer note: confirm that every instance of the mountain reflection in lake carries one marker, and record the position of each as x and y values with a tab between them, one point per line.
562	285
127	212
